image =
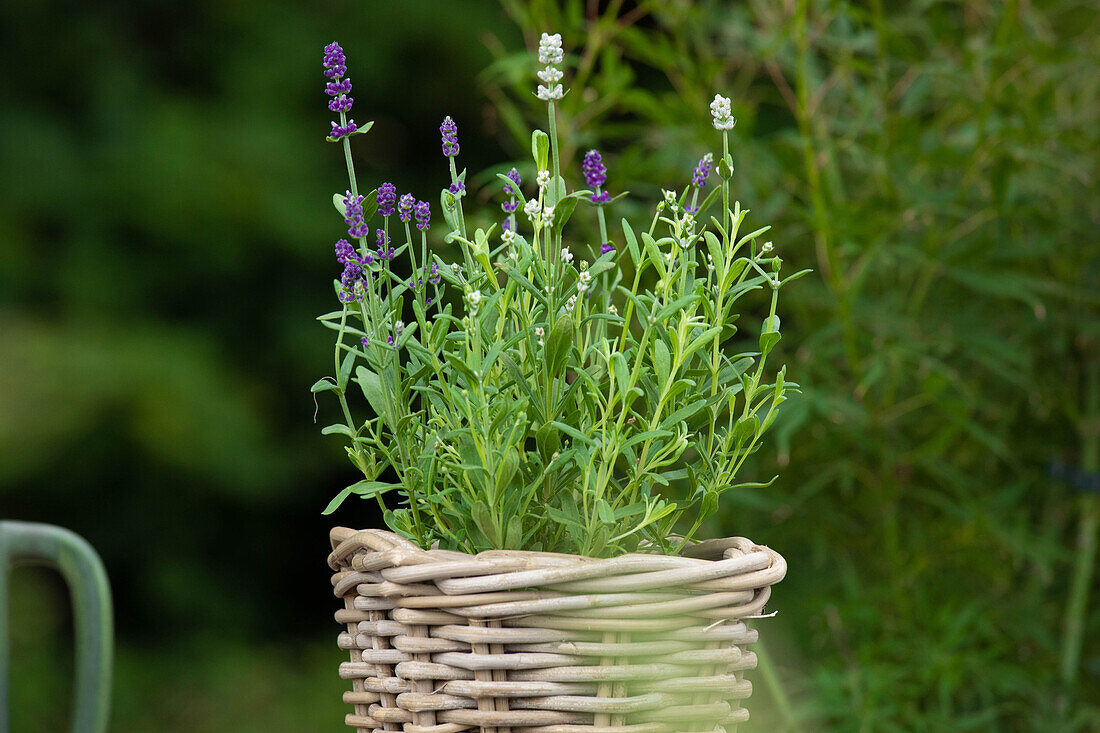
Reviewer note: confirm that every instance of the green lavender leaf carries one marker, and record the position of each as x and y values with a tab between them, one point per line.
540	149
558	343
371	385
325	384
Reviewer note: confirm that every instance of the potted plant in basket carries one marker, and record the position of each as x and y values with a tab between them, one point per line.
546	424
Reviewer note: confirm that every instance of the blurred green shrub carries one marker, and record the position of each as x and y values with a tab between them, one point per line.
935	162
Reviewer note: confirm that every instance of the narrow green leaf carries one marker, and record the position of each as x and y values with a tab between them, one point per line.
622	374
631	242
325	384
574	433
661	361
336	501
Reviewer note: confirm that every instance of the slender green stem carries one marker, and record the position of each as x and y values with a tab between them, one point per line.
458	199
726	181
1087	528
551	112
347	157
602	220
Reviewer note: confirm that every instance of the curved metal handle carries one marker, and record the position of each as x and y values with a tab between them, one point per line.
78	563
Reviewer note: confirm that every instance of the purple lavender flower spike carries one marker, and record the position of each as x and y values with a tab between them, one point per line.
449	132
510	206
342	131
336	88
335	68
457	187
365	341
352	274
405	207
384	251
601	198
433	275
513	190
702	171
387	196
335	63
341	104
423	215
606	247
353	216
344	252
595	172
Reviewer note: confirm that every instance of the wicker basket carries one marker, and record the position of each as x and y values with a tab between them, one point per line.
533	642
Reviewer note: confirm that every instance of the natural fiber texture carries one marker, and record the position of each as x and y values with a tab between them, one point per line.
534	642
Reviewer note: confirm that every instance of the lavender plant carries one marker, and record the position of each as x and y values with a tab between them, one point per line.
520	393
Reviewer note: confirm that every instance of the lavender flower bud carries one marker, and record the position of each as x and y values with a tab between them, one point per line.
341	104
702	171
532	208
382	241
344	252
606	247
353	216
449	132
423	215
352	276
547	94
721	110
405	207
336	88
342	131
387	195
549	49
595	172
457	187
335	64
433	274
513	190
550	75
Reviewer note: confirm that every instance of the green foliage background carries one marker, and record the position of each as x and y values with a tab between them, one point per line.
165	239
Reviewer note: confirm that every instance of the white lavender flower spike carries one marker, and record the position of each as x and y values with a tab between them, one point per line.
550	54
722	112
550	49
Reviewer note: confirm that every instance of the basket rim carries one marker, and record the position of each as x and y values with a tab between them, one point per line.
377	555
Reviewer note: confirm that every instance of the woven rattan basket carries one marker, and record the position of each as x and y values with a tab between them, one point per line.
532	642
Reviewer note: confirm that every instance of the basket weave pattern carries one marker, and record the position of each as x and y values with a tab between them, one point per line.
534	642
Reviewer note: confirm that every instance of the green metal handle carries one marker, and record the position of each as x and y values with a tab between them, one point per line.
80	566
